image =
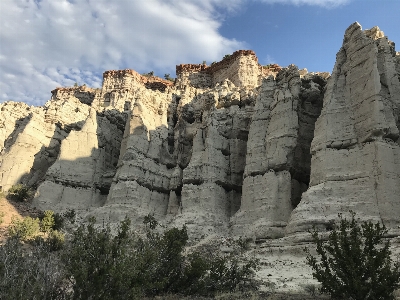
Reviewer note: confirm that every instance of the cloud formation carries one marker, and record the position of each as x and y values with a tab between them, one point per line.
323	3
50	43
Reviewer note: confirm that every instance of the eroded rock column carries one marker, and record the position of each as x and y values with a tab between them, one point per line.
278	160
141	184
214	125
355	151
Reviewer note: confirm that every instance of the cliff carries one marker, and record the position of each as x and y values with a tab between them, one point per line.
234	148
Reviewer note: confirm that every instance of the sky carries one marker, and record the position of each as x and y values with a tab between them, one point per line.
45	44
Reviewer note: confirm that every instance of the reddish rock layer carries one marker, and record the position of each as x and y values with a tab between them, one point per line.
150	82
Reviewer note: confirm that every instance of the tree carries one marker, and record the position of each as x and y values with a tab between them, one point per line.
19	192
98	263
47	221
24	229
51	221
150	74
101	264
168	77
129	266
354	263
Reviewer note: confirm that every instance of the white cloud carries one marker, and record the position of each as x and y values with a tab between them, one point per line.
323	3
269	60
49	43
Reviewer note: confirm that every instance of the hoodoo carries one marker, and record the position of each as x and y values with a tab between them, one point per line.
234	148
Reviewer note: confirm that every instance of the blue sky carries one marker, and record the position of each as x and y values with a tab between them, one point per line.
308	36
50	43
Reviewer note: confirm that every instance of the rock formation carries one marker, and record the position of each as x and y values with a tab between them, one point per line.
355	151
278	152
228	148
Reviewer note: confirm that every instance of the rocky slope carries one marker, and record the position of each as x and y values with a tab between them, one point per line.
234	148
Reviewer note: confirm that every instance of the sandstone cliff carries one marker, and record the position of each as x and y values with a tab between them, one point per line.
355	151
231	148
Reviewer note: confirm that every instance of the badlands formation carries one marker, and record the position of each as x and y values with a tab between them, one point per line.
232	149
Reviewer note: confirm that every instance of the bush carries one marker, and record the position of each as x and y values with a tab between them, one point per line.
19	192
168	77
101	264
47	221
2	215
36	274
96	264
58	221
128	266
70	215
150	74
51	221
24	229
355	262
55	240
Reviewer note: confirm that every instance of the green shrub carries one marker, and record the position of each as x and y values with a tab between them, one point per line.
25	228
96	264
168	77
355	262
150	74
230	274
51	221
30	274
55	240
19	192
167	252
128	266
150	222
47	221
70	215
58	221
196	274
2	215
101	264
268	66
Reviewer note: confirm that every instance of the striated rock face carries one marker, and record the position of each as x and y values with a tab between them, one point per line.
241	68
278	156
232	148
355	151
23	134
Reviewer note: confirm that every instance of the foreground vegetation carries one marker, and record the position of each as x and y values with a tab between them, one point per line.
96	264
38	262
355	263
